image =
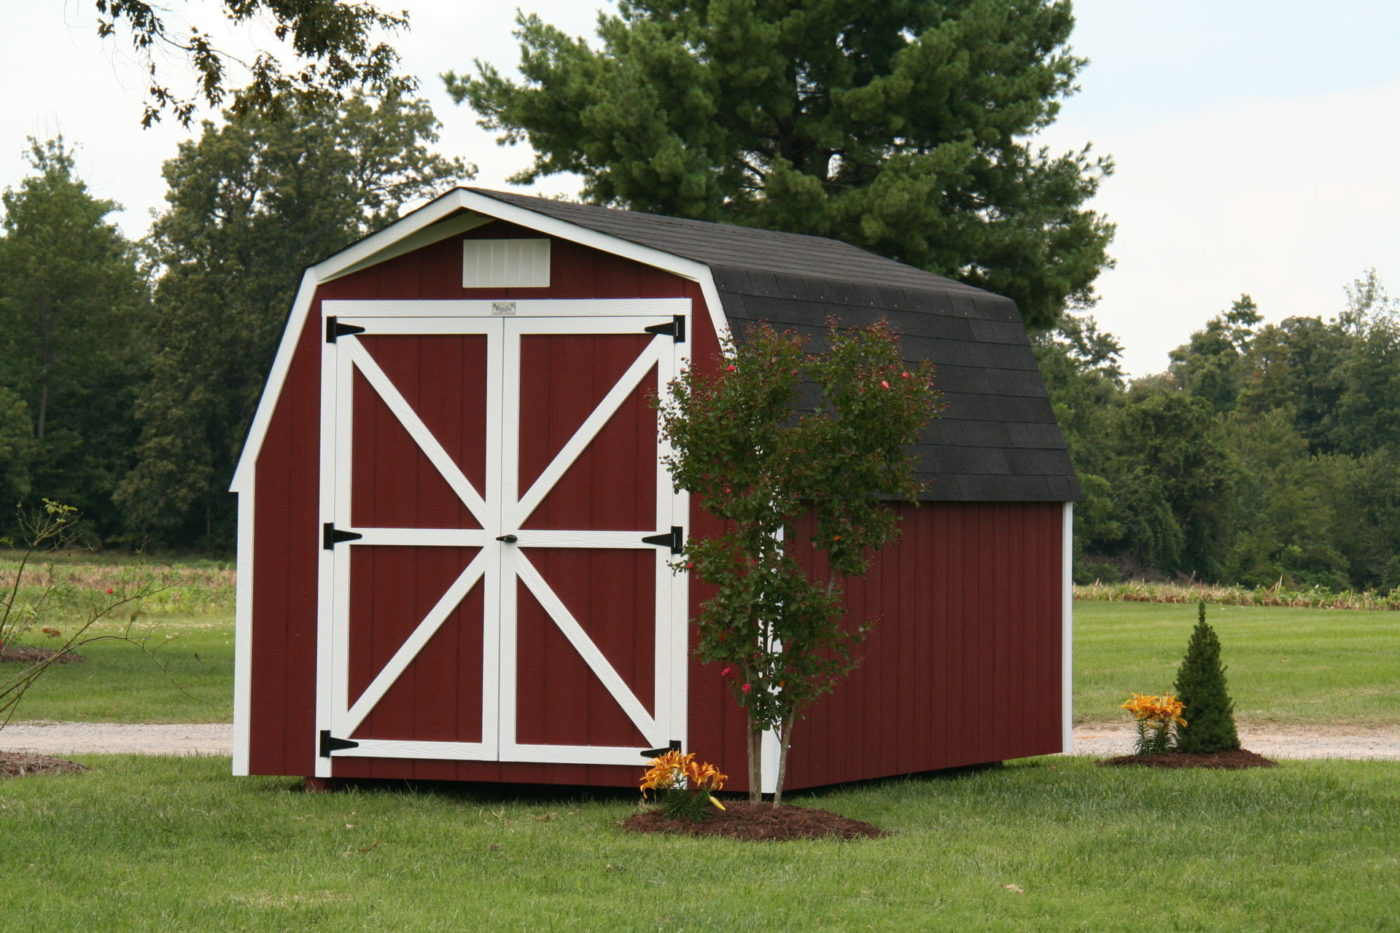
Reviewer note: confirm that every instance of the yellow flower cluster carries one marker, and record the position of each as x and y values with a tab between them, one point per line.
676	772
1163	709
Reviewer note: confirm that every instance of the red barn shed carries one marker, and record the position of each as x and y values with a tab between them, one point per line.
455	531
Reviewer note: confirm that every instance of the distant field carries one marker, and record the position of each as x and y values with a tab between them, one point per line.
81	580
183	669
1286	665
1303	666
186	677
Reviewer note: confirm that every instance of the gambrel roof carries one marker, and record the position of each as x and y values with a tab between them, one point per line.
997	439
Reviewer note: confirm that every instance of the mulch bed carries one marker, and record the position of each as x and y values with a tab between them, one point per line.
757	822
1233	759
23	654
23	764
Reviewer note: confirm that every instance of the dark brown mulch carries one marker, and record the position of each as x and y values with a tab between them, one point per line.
761	822
1235	758
24	654
23	764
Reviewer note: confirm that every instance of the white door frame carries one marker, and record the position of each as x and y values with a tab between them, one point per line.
500	509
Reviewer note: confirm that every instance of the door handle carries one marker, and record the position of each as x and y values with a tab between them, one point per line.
508	539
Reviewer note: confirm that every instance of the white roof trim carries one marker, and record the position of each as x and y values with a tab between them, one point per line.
427	236
410	232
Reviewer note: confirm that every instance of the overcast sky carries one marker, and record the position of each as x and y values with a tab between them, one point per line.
1256	143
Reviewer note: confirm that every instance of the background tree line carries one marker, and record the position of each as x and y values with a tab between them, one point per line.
129	371
1265	452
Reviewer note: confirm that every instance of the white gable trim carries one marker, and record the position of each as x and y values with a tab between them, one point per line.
272	391
412	232
685	268
427	236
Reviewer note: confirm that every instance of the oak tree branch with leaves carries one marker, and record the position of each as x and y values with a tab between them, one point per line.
334	45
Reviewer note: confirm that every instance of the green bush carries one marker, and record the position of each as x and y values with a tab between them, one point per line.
1200	686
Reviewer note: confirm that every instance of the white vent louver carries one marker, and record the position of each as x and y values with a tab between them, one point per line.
505	263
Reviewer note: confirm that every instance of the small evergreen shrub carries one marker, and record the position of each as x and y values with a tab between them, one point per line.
1200	686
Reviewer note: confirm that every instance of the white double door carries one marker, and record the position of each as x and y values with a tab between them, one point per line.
498	532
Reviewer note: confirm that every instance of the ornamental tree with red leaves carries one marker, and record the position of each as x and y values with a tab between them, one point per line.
739	441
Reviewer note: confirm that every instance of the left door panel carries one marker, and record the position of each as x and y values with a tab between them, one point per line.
414	459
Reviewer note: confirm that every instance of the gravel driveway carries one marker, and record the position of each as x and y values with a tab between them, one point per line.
1103	740
109	738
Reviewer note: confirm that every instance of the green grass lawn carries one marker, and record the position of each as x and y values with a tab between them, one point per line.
183	673
164	844
159	844
187	676
1285	666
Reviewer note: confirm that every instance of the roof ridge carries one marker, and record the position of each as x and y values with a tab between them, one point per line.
717	242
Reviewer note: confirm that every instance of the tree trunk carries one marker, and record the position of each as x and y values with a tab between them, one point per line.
755	764
784	743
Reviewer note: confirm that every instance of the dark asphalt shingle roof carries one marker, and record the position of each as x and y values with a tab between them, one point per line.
997	440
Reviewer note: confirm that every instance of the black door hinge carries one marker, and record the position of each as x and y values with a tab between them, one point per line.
675	746
329	744
673	539
336	329
331	536
676	329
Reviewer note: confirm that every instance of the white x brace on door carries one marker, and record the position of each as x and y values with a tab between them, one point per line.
495	581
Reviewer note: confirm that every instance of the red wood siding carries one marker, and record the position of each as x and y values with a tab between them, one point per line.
287	529
286	549
963	664
575	272
438	696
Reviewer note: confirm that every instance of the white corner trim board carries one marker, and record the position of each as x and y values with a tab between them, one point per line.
243	635
1067	629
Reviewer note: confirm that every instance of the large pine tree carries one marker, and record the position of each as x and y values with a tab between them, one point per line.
904	126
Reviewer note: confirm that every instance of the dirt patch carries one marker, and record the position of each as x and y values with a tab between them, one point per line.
757	822
22	764
1228	760
24	654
